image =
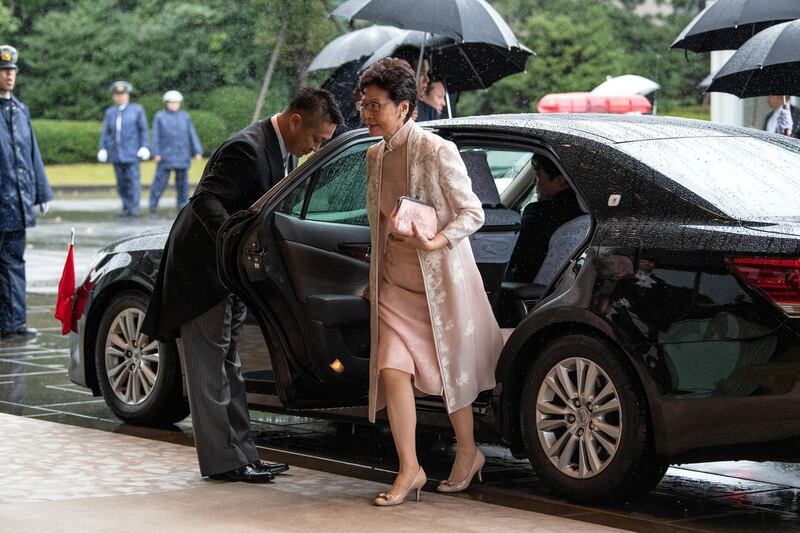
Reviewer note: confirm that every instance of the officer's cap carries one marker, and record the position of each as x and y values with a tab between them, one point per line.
172	96
119	87
8	57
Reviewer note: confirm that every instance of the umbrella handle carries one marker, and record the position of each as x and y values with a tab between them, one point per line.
786	106
421	57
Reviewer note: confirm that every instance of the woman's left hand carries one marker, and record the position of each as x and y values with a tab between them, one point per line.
421	242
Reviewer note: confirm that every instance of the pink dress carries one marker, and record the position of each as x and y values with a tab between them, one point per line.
406	336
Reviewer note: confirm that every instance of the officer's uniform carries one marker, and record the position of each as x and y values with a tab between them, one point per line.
23	185
175	140
124	140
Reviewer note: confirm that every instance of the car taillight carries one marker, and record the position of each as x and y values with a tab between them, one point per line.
777	279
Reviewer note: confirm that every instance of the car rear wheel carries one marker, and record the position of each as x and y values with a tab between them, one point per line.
140	383
585	424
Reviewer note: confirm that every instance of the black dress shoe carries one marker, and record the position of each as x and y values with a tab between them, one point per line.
249	473
20	333
272	468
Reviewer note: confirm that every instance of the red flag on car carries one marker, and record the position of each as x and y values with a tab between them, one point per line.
66	289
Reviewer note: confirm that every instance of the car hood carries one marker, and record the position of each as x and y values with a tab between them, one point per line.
780	225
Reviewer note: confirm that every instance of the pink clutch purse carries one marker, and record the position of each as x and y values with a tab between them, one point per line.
409	210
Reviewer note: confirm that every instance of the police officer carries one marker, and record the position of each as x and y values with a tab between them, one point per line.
123	143
23	185
174	141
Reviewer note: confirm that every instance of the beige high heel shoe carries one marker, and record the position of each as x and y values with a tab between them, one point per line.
447	485
385	499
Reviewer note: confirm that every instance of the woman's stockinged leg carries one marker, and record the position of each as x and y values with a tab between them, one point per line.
402	412
462	421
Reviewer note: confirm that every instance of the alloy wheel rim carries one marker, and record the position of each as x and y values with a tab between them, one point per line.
131	367
578	417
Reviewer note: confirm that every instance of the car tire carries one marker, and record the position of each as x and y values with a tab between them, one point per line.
145	384
598	449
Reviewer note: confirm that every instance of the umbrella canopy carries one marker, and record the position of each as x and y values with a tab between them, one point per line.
463	20
727	24
462	66
353	45
769	63
627	85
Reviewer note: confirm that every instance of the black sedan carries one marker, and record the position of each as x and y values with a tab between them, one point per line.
662	326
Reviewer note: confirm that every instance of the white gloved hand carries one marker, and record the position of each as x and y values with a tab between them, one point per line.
785	121
143	153
44	207
102	155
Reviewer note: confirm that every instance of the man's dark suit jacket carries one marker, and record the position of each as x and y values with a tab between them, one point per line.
238	173
795	111
539	221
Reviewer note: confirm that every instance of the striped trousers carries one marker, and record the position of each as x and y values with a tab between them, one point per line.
220	419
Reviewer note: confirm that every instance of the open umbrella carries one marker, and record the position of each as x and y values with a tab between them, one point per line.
463	20
353	45
463	66
727	24
768	63
466	21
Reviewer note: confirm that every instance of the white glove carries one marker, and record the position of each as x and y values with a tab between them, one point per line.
102	155
784	121
44	207
143	153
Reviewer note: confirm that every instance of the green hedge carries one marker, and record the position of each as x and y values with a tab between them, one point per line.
67	141
210	128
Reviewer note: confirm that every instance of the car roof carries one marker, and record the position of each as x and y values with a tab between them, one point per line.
606	128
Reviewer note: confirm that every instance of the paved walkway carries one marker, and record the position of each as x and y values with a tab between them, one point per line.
61	478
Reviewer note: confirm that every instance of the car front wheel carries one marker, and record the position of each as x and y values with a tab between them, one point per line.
585	423
140	382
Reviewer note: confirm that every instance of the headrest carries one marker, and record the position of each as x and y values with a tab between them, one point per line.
483	184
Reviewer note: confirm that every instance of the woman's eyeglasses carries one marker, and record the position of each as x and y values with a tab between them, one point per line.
372	107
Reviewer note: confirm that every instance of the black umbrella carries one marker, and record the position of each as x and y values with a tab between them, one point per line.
353	45
727	24
462	66
769	63
463	20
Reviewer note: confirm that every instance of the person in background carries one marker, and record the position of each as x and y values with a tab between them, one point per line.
555	204
432	103
23	186
422	82
123	142
780	120
173	143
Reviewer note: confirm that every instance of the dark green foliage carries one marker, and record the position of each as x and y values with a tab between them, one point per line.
67	141
210	128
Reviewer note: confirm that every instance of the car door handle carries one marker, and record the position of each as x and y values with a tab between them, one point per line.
356	250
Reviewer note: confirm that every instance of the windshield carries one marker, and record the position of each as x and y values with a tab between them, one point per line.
742	177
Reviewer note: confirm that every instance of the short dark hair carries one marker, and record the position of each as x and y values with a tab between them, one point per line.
396	77
317	106
546	164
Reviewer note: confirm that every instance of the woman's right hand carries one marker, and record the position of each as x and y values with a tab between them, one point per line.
365	293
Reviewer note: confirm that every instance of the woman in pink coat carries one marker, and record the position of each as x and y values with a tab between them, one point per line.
433	330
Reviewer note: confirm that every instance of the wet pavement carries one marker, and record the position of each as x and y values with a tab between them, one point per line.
723	496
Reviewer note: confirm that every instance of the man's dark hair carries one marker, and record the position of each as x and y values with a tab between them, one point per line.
546	164
396	77
317	106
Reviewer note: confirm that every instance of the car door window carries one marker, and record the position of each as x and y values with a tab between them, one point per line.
339	190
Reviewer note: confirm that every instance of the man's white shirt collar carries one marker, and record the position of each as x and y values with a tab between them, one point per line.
274	120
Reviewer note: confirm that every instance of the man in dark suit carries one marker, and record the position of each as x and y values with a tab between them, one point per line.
772	122
191	303
556	205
